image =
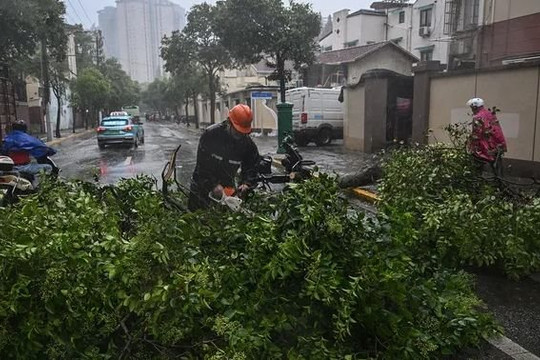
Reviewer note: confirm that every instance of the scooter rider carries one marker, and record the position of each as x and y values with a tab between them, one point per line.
20	147
486	143
223	149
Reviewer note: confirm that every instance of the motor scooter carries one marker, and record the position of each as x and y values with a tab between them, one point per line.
14	184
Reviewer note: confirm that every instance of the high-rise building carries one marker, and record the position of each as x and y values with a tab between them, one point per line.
140	26
108	26
168	16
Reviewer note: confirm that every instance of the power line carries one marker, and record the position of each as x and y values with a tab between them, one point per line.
84	10
75	11
70	18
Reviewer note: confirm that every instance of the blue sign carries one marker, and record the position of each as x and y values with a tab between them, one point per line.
261	95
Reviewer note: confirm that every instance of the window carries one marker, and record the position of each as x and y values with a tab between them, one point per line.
471	14
425	17
328	48
351	43
426	55
401	17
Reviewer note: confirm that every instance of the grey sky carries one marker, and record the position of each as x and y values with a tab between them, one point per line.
85	11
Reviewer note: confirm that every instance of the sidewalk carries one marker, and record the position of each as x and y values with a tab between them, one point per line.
67	134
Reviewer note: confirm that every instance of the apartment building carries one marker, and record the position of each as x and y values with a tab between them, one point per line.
133	32
108	25
511	32
429	29
429	41
399	25
359	28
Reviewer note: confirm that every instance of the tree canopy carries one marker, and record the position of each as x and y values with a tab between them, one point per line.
24	23
198	45
268	30
124	90
85	53
91	90
155	95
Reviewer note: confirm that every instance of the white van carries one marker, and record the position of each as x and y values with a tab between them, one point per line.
317	115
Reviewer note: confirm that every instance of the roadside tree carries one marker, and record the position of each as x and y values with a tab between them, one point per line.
18	33
85	48
124	91
198	44
25	23
154	96
59	83
268	30
91	91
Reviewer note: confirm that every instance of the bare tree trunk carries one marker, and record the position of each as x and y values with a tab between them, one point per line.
196	111
212	90
58	114
186	109
74	114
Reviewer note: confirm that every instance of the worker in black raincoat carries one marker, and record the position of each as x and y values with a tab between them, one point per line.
223	149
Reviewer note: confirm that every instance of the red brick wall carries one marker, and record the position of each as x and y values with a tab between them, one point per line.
509	39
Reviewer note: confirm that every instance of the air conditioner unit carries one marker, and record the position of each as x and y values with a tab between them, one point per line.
424	31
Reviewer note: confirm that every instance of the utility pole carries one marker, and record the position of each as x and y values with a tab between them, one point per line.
46	87
99	46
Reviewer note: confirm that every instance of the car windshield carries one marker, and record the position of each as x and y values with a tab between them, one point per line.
114	122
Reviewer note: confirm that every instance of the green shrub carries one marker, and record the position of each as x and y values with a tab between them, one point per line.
456	214
101	273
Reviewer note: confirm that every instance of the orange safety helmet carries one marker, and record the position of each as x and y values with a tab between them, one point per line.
241	117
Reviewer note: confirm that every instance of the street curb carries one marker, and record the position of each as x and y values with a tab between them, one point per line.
72	136
512	349
365	195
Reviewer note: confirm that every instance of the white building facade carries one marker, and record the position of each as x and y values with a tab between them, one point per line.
426	28
429	41
399	26
359	28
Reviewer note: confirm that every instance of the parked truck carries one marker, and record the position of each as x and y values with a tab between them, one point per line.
317	115
133	111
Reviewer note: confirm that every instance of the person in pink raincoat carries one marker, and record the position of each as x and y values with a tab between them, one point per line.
486	143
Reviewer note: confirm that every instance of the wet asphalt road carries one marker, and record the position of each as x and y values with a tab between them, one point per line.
82	159
515	304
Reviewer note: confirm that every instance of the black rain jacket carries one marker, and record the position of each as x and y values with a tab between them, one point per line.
219	157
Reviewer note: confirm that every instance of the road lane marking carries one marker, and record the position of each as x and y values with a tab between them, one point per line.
512	349
128	161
